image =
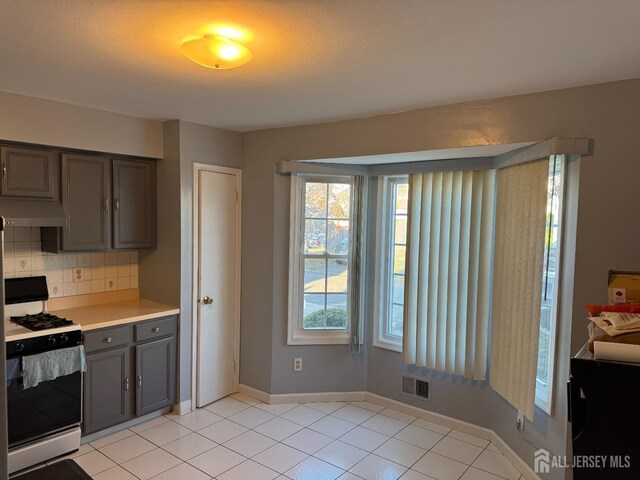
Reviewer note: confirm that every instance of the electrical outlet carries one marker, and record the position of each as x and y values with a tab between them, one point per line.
520	422
78	274
297	364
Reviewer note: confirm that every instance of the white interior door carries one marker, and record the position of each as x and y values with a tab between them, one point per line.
217	296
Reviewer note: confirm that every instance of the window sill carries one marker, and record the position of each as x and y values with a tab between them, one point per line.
388	345
543	397
322	337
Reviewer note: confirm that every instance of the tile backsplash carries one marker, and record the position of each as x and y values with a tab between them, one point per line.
93	272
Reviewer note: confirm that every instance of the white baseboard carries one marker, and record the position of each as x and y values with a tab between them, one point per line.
460	425
452	423
524	468
182	407
466	427
254	393
280	398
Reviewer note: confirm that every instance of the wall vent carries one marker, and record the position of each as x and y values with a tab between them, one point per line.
416	387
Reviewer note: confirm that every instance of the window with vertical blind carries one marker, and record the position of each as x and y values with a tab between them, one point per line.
448	271
524	282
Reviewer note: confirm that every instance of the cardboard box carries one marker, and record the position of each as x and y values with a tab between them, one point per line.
624	287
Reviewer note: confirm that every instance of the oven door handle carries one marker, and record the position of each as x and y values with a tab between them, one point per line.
126	383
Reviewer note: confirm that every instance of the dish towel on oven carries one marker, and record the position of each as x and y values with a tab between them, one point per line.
46	366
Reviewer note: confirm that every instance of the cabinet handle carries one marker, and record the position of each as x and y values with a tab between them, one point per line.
139	379
108	339
106	204
126	384
4	170
116	204
155	329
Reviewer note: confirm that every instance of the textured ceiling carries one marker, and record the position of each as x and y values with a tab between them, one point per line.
314	60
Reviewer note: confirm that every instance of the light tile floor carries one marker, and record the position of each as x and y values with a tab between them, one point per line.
239	438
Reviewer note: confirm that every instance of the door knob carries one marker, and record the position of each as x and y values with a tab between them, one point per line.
207	300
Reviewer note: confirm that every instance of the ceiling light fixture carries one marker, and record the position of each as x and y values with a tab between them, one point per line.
216	51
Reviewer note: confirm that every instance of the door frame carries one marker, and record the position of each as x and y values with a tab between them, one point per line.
195	239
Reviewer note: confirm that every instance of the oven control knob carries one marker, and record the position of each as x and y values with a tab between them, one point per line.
19	347
64	339
51	340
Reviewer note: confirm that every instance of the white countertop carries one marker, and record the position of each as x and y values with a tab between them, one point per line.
92	317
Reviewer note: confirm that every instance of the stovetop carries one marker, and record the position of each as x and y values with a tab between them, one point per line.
13	331
41	321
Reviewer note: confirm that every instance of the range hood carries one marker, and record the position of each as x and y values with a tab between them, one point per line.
32	213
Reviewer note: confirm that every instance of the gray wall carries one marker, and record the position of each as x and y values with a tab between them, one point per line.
266	360
607	113
159	273
159	269
166	274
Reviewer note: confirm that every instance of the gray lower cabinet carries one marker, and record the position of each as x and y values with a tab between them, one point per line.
155	375
129	375
107	389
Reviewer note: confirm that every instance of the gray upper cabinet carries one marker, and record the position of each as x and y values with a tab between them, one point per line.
86	199
30	173
134	204
107	389
155	375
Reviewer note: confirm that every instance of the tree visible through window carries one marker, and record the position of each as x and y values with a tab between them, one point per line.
326	226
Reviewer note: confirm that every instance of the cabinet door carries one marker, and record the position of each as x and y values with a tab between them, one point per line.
134	204
155	375
107	388
30	173
86	200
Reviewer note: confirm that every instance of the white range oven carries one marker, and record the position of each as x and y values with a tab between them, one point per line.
43	420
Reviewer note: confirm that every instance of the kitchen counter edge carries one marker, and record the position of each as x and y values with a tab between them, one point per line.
95	317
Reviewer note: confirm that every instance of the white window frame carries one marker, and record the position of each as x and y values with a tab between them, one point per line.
297	335
544	393
383	277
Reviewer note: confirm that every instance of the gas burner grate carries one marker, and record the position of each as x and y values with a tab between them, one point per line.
41	321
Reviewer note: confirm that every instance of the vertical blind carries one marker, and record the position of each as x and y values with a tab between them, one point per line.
358	226
517	282
448	271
